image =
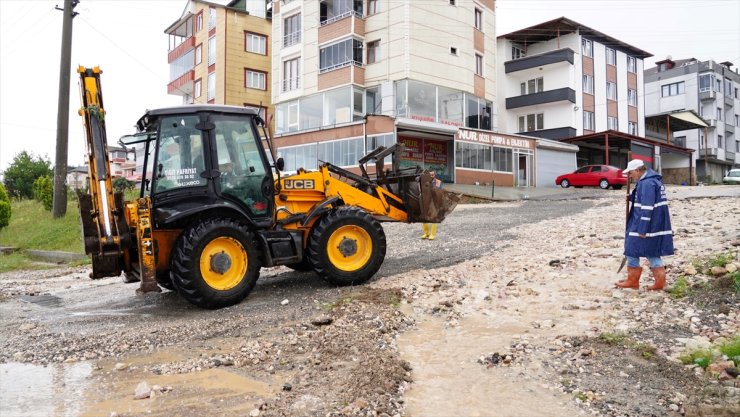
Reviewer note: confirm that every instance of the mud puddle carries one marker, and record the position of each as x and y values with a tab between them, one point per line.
96	388
448	380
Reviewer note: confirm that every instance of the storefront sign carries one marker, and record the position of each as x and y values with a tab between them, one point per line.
412	150
492	139
435	152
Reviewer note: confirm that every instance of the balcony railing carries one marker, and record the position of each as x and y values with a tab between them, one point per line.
291	84
341	16
707	95
342	65
291	39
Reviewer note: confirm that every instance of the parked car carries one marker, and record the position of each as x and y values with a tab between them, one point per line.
604	176
732	177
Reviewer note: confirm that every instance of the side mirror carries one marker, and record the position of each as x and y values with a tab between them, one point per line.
280	164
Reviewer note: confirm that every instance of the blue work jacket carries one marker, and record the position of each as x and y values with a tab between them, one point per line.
649	216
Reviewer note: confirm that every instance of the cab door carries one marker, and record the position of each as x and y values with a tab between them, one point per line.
244	177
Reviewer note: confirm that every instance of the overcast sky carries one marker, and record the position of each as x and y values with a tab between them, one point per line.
126	39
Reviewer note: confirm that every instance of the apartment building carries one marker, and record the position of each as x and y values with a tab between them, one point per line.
561	79
706	89
352	75
220	54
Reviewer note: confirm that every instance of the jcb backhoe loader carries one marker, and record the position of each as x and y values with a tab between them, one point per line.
212	209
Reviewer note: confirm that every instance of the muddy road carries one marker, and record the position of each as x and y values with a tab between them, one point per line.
406	344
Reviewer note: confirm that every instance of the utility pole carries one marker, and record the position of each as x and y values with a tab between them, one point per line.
59	208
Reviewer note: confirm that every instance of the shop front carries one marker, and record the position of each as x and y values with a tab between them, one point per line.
483	157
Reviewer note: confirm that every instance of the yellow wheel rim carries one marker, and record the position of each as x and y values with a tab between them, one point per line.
349	248
223	263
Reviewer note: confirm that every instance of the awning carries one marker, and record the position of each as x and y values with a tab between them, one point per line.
679	120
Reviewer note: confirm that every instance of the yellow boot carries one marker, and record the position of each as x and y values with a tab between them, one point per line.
425	227
434	231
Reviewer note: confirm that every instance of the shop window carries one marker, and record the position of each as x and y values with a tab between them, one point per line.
473	156
342	152
502	159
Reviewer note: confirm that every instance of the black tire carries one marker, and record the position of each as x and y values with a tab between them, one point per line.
164	280
335	227
604	184
617	187
188	277
565	183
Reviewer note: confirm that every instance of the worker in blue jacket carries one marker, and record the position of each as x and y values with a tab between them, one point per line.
648	233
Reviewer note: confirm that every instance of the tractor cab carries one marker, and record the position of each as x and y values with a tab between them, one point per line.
201	159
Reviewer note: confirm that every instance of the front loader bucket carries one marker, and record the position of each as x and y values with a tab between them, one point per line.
428	204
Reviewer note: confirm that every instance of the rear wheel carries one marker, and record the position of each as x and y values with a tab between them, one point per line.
347	247
604	184
215	263
565	183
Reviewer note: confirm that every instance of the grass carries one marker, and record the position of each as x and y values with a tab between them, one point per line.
621	339
721	259
32	227
731	349
340	302
680	288
736	280
701	357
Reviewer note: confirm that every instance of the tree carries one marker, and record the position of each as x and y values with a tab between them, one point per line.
121	184
23	171
5	210
43	191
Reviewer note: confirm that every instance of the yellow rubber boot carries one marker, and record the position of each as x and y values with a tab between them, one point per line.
425	227
434	231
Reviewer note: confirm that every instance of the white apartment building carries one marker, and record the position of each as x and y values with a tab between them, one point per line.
710	90
351	75
561	79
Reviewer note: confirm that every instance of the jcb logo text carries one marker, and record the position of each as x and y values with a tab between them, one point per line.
299	185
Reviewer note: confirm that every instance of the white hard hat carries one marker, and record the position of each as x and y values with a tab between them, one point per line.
633	165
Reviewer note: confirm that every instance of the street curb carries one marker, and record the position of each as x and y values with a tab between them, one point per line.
55	256
7	250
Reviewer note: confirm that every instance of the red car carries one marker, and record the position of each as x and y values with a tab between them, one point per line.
604	176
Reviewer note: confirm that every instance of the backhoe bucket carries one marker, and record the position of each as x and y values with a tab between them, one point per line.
428	204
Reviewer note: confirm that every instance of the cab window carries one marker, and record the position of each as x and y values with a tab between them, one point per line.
240	164
179	154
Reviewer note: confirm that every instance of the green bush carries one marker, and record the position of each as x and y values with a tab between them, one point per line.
5	209
43	191
23	171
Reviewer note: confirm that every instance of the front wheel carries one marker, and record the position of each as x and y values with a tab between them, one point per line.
215	263
604	184
347	247
565	183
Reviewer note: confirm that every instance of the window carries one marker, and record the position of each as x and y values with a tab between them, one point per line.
719	114
255	79
728	87
255	43
262	111
612	123
372	7
587	47
333	10
611	90
632	97
737	92
374	142
292	30
211	18
718	85
199	21
720	141
479	65
611	56
502	159
211	50
302	156
453	50
672	89
342	152
197	89
473	156
532	122
179	162
340	54
479	19
632	129
679	141
588	120
211	86
372	52
632	64
536	85
198	54
737	120
291	74
705	82
517	52
588	84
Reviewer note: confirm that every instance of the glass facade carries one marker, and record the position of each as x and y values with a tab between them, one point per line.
343	153
431	103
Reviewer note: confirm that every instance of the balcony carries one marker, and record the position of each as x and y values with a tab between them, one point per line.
349	24
535	61
729	101
291	84
729	128
552	96
729	156
707	95
181	49
183	85
711	152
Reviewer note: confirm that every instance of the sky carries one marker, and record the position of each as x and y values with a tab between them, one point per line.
126	39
